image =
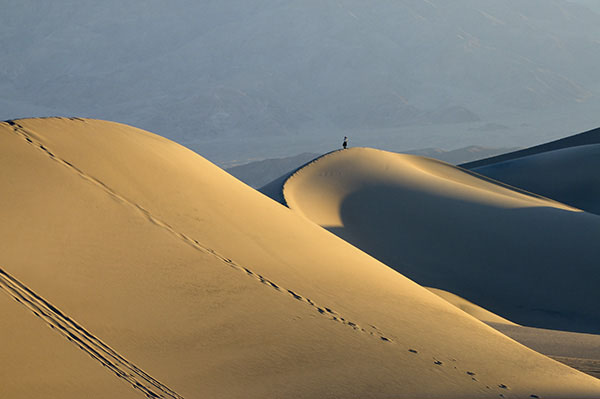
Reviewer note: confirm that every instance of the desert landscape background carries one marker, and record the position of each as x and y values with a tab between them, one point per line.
179	219
239	82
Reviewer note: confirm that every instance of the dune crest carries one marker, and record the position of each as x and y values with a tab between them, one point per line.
564	170
469	307
522	256
144	250
568	175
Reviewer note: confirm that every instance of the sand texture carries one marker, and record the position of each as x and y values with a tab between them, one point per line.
522	256
580	351
131	266
469	307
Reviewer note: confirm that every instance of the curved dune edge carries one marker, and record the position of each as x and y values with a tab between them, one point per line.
581	139
516	254
469	307
589	137
568	175
414	167
216	291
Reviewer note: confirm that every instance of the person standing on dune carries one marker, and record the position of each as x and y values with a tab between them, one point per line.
345	143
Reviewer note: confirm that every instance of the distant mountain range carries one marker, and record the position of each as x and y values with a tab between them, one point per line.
460	155
205	70
258	173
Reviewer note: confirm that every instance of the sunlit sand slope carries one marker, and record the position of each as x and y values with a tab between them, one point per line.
521	256
469	307
38	362
569	175
160	274
578	350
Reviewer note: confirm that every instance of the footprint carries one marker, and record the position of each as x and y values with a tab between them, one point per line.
296	296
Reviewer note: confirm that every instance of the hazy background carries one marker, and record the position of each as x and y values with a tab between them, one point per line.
237	80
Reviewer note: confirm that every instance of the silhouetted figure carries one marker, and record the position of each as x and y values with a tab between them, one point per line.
345	143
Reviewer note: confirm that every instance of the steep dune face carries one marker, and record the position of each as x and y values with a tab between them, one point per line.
524	257
564	170
474	310
168	275
568	175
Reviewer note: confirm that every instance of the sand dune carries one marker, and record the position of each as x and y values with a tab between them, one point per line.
554	343
564	170
259	173
581	351
158	271
519	255
577	350
39	362
568	175
585	138
469	307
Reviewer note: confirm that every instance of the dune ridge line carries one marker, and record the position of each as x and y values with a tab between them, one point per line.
322	310
297	172
204	329
85	340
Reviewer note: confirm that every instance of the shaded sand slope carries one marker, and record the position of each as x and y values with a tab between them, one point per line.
569	175
524	257
191	284
578	350
554	343
585	138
